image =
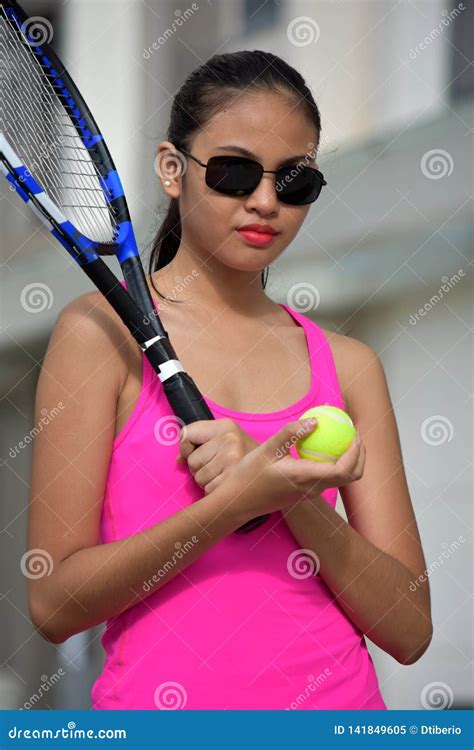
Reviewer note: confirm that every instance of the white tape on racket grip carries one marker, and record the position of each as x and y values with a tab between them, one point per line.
169	368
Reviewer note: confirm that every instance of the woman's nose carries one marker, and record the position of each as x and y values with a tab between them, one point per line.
264	198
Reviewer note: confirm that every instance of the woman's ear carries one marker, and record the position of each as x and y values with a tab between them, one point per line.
170	165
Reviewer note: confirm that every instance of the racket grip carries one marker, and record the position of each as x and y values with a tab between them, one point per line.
188	404
185	398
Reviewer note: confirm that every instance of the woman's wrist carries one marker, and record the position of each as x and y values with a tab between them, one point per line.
222	513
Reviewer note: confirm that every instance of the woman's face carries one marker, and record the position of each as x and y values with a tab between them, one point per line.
271	128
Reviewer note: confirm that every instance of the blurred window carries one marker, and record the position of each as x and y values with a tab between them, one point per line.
462	36
261	14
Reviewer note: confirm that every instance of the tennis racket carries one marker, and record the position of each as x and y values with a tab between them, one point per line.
54	155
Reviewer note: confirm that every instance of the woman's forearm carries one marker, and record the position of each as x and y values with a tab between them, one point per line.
372	587
97	583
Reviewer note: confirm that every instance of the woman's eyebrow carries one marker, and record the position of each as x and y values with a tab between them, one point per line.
250	155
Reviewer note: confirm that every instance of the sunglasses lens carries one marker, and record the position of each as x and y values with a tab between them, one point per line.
298	185
233	175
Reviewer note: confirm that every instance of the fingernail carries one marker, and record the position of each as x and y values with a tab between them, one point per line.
307	423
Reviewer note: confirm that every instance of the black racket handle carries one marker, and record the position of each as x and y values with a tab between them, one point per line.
180	389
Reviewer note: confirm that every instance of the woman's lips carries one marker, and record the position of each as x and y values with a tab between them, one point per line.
259	239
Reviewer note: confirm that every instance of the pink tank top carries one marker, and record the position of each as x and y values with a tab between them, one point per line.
247	625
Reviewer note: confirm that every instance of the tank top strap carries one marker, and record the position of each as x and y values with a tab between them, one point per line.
322	359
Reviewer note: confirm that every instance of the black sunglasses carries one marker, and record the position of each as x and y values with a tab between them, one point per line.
237	176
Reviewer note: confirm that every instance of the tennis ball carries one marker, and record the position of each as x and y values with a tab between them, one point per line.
330	438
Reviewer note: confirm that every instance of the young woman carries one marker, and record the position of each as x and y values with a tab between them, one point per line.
139	524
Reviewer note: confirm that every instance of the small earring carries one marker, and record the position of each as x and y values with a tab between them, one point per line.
167	183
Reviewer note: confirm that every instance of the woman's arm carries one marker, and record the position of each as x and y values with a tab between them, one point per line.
83	373
372	564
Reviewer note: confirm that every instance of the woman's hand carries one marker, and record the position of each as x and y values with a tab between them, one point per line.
268	479
222	443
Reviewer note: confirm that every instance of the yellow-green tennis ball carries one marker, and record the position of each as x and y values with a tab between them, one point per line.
330	438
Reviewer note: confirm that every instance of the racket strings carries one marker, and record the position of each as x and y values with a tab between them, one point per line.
40	129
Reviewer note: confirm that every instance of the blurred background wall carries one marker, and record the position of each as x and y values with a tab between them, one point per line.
384	256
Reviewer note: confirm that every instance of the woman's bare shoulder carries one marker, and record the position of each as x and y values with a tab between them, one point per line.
351	359
92	314
89	324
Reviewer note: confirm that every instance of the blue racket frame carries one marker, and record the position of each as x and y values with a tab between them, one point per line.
136	309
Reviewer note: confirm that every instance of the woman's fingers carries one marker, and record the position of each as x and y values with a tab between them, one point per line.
346	469
199	433
279	444
351	463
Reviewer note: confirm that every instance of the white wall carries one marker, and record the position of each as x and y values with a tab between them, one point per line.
429	371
